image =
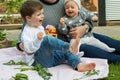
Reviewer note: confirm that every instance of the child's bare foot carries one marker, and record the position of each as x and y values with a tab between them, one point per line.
75	45
82	67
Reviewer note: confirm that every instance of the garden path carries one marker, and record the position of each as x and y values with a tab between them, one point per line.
107	30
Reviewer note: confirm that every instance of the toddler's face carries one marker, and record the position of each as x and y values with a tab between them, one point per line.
71	9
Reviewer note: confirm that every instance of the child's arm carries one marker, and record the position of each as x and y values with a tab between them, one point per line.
62	21
89	14
62	27
32	43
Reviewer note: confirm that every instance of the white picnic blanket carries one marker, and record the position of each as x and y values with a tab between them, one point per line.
61	72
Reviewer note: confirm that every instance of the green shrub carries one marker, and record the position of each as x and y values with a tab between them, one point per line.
12	7
2	35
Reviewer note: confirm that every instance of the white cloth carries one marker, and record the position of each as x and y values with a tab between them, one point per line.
61	72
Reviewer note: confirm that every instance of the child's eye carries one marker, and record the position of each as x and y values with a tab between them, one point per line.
66	7
72	7
38	14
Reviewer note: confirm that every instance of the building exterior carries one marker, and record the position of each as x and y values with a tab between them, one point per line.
107	10
112	9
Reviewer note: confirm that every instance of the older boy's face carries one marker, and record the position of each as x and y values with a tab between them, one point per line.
37	18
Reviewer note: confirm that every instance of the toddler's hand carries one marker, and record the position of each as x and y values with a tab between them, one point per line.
40	35
95	18
62	21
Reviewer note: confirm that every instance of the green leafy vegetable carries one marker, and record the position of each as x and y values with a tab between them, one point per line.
20	76
12	62
89	73
43	72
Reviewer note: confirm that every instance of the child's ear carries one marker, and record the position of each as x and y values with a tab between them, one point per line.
28	18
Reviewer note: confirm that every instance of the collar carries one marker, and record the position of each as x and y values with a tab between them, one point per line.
43	1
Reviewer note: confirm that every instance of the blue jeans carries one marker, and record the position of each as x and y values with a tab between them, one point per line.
53	52
94	52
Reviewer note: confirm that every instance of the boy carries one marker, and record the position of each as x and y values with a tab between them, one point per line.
42	49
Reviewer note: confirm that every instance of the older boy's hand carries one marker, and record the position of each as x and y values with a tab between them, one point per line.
40	35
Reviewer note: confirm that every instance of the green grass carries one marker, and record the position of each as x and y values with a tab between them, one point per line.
114	69
116	37
114	72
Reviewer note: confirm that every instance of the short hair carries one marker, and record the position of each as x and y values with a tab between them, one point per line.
29	7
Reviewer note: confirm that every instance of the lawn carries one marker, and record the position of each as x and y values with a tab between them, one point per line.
114	69
114	72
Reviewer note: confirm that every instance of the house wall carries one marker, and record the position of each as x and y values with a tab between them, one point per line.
112	9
